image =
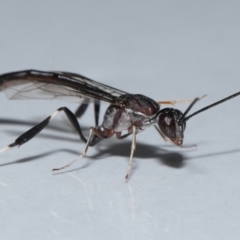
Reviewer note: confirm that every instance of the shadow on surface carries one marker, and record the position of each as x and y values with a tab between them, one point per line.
175	158
38	157
143	151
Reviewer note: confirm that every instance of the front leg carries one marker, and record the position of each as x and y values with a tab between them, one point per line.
133	148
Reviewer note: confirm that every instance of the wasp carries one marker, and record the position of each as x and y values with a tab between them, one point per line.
130	113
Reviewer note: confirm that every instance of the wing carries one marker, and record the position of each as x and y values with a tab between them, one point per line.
34	84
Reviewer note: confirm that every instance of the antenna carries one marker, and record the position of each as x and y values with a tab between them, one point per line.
207	107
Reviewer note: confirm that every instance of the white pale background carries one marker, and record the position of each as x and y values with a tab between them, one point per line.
163	49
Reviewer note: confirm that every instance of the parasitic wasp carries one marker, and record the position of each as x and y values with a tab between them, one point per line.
130	113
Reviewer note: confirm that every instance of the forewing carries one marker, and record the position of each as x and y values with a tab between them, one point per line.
32	84
39	90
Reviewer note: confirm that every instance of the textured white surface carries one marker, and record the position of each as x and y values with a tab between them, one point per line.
163	49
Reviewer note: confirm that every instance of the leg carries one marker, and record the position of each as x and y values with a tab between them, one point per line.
25	137
95	136
173	102
96	112
81	110
119	136
82	155
133	147
83	107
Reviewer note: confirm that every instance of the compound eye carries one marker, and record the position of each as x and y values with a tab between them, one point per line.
167	125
